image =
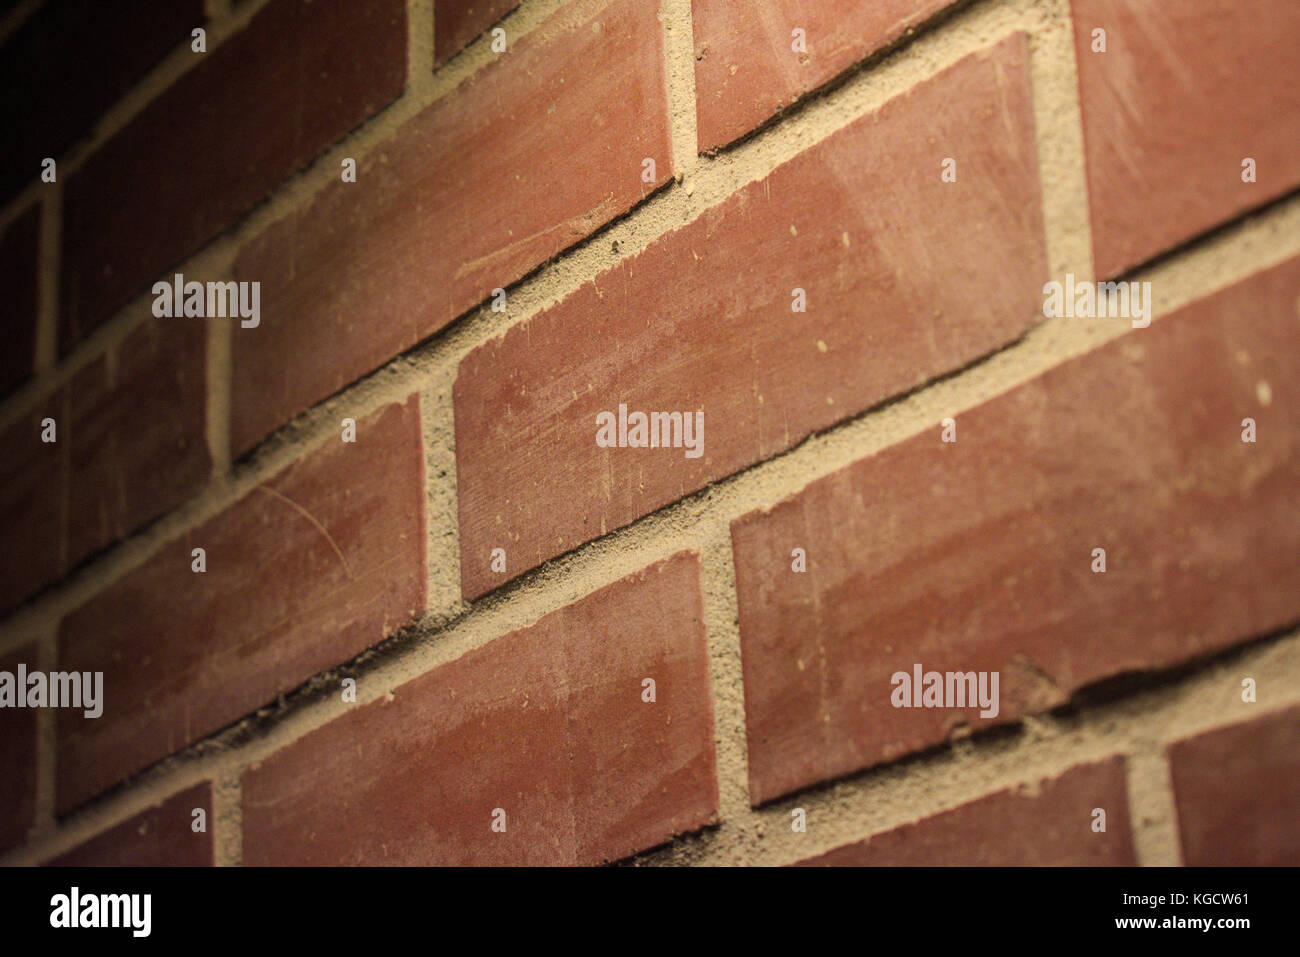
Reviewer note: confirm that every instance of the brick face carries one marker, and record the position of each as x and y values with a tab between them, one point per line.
18	310
32	504
131	445
68	63
1044	823
1183	93
161	836
368	269
976	555
136	430
746	67
1237	789
702	319
305	572
17	758
258	107
546	723
456	23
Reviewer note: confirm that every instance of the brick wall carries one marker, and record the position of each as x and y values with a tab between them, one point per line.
388	569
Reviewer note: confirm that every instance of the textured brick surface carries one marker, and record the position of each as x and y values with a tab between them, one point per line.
546	723
1044	823
68	63
1183	93
162	836
258	107
702	319
526	158
976	555
1237	790
306	571
458	22
136	433
746	67
17	759
32	505
18	308
130	446
505	170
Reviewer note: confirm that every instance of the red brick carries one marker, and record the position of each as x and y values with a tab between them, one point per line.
306	571
70	62
32	502
457	23
1237	790
1183	93
746	69
258	107
130	446
17	759
546	723
702	320
18	247
526	158
976	555
137	433
162	836
1040	824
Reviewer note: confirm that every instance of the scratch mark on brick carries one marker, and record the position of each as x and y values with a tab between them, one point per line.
311	518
